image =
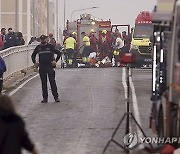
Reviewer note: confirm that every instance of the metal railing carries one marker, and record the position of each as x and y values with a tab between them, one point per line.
17	58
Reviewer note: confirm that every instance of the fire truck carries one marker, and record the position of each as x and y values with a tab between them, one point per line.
140	44
165	115
85	23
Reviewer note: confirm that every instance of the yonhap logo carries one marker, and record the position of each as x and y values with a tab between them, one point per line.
130	140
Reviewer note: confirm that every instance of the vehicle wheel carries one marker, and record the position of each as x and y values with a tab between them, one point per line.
174	127
161	123
173	123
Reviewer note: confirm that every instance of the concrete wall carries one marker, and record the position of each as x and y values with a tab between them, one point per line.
27	16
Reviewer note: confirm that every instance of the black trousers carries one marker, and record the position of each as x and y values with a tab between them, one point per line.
70	53
44	72
70	56
86	51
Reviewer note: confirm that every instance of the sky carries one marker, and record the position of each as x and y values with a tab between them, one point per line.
118	11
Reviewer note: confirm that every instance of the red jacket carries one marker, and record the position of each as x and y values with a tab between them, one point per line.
104	44
93	43
1	43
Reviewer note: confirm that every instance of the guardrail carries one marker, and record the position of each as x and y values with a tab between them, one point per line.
17	58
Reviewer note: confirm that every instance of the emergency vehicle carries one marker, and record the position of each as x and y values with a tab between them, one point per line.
140	44
165	116
85	24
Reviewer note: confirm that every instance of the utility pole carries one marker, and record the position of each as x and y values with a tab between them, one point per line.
47	16
16	16
0	15
57	21
28	20
64	14
20	28
34	18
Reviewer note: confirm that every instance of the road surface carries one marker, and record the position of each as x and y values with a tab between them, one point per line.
92	104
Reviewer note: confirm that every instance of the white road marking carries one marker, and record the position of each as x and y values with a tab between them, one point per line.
22	85
136	109
134	101
124	76
124	82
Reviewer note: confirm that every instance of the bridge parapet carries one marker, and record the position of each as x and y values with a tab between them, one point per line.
17	59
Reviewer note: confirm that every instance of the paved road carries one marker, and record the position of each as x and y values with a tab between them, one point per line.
92	103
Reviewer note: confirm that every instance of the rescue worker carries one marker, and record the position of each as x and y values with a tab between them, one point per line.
47	63
127	42
129	39
75	50
124	37
70	45
74	35
87	49
93	41
118	49
104	44
115	35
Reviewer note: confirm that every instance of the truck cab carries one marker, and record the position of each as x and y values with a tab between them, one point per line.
165	116
140	44
85	23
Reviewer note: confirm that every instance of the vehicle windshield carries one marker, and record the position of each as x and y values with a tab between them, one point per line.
143	31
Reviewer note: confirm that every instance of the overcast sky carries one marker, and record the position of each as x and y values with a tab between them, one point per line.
118	11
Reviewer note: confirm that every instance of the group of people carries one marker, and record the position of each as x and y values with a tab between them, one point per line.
10	38
37	40
107	45
7	40
13	134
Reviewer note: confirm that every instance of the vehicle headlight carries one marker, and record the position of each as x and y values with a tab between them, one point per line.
158	39
134	46
157	36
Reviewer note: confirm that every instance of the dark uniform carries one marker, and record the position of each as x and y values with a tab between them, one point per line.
46	56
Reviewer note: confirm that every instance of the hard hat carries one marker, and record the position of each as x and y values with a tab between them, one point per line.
116	53
74	33
104	31
92	31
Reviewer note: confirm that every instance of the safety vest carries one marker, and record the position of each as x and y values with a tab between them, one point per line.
70	43
86	40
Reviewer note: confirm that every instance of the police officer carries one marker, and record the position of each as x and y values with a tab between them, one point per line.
46	65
